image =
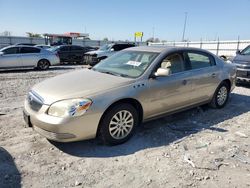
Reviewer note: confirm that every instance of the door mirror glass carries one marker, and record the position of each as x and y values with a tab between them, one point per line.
112	49
162	72
238	52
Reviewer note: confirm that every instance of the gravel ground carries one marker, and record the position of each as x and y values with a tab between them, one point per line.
201	147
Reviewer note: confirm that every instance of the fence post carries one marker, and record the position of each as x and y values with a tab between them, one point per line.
218	46
174	43
201	44
10	41
238	43
187	43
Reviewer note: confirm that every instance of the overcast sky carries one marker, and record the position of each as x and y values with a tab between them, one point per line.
119	19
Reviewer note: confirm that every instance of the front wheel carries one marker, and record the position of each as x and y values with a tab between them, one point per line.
221	95
43	64
118	124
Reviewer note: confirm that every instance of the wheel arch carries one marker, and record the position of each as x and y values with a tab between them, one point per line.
135	103
228	82
41	60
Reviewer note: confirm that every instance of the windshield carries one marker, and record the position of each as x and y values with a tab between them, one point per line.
105	47
126	63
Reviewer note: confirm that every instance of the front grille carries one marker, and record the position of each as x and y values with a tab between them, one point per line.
90	58
242	65
244	74
35	102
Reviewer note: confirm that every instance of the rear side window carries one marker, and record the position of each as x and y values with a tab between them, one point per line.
26	50
198	60
13	50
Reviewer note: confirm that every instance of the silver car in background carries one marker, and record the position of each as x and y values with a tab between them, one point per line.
133	86
27	56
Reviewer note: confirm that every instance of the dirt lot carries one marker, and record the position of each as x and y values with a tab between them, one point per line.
201	147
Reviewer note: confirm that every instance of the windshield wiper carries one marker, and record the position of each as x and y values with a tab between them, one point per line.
115	74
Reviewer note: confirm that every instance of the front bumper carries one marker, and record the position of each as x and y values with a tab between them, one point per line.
243	74
61	129
90	59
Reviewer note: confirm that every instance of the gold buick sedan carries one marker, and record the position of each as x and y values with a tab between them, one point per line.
131	87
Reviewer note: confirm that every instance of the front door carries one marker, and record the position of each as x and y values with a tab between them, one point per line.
169	93
10	58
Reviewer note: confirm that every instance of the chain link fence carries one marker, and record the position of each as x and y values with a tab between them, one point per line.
221	48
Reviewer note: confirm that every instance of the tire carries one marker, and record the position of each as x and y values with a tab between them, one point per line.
43	64
221	96
118	124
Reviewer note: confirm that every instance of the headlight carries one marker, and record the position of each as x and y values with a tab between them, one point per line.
69	108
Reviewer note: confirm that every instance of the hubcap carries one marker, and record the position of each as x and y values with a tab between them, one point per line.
43	64
222	95
121	124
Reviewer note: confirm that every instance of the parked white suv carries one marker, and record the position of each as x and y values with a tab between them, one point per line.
94	57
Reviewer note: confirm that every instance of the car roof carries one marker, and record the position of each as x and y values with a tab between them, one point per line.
160	49
19	46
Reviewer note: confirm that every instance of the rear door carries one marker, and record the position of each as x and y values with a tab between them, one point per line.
204	73
29	56
10	58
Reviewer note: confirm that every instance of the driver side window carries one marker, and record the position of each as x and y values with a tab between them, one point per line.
174	62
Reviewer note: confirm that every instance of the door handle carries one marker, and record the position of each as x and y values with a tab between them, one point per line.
213	75
184	82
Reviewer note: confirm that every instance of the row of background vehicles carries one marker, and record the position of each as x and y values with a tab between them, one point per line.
43	56
63	52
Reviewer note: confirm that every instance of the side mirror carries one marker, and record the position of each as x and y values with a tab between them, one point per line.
238	52
162	72
1	53
112	49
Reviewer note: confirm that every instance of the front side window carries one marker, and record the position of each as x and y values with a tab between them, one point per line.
12	50
64	49
76	48
126	63
173	62
198	60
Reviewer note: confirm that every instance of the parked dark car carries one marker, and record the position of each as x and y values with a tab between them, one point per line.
71	53
242	62
105	51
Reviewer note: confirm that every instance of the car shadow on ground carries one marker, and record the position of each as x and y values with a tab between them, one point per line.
52	68
9	174
164	131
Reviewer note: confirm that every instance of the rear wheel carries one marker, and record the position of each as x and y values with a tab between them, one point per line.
118	124
221	95
43	64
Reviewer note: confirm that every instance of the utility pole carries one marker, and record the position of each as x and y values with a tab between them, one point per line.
153	33
184	28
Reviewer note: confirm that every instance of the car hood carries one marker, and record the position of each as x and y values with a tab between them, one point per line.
95	52
81	83
241	59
